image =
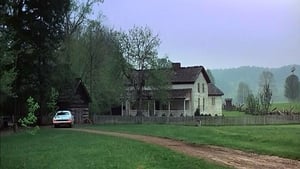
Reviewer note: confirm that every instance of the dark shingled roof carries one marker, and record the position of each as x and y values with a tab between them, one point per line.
214	91
188	75
71	93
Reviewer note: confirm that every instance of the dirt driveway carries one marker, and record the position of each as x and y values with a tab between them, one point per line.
221	155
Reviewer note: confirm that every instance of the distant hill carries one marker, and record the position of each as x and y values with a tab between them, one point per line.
228	79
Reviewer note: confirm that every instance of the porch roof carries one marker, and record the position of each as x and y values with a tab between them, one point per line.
172	94
180	93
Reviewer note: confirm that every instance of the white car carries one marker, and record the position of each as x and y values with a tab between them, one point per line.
63	117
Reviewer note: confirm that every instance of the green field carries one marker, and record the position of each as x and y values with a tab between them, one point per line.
279	140
279	107
286	106
55	148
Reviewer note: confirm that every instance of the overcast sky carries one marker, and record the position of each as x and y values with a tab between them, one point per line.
215	33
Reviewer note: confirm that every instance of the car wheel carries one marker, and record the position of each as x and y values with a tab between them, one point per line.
70	125
55	125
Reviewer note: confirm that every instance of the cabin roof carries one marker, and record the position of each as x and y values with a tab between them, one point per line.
75	91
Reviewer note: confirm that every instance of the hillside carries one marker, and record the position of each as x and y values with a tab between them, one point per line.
228	79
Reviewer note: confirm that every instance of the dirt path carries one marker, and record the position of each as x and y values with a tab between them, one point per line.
221	155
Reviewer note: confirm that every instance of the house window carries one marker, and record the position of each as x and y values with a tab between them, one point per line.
199	103
198	87
203	105
213	100
203	88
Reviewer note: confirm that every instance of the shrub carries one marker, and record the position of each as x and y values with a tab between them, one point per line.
197	112
30	120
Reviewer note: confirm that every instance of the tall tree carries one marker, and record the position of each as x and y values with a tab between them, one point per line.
265	93
139	48
253	105
159	79
103	68
243	92
37	28
265	98
292	88
7	66
76	20
95	57
266	77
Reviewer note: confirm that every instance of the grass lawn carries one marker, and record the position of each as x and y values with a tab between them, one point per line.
55	148
279	140
278	106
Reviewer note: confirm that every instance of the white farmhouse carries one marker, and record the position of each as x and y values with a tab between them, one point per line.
191	89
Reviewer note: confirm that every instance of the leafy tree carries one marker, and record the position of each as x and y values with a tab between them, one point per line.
37	31
265	98
103	68
7	57
94	56
253	105
265	93
266	77
77	17
139	49
243	92
52	103
292	88
159	79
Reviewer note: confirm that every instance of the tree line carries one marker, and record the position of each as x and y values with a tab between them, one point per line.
261	102
45	45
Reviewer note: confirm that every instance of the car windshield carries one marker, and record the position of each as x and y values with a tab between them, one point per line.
62	113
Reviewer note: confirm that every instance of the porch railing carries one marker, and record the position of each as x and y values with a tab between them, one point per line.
159	113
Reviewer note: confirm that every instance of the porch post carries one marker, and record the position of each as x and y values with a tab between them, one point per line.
122	112
169	107
184	108
129	108
148	108
154	108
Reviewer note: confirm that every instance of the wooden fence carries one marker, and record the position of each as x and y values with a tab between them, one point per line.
200	120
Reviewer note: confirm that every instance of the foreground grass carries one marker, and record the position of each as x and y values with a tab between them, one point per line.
279	140
55	148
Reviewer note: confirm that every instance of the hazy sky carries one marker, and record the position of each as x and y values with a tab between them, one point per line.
215	33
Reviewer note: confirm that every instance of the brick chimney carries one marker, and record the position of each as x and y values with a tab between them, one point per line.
176	66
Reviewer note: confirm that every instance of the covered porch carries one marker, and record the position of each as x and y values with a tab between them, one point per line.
177	105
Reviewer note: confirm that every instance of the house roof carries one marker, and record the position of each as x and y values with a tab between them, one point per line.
214	90
73	91
188	75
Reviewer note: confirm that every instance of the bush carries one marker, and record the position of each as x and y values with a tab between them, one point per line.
197	112
30	120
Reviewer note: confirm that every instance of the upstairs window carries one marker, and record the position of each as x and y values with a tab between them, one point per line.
198	87
203	88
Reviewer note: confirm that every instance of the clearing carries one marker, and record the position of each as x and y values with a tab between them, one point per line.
221	155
